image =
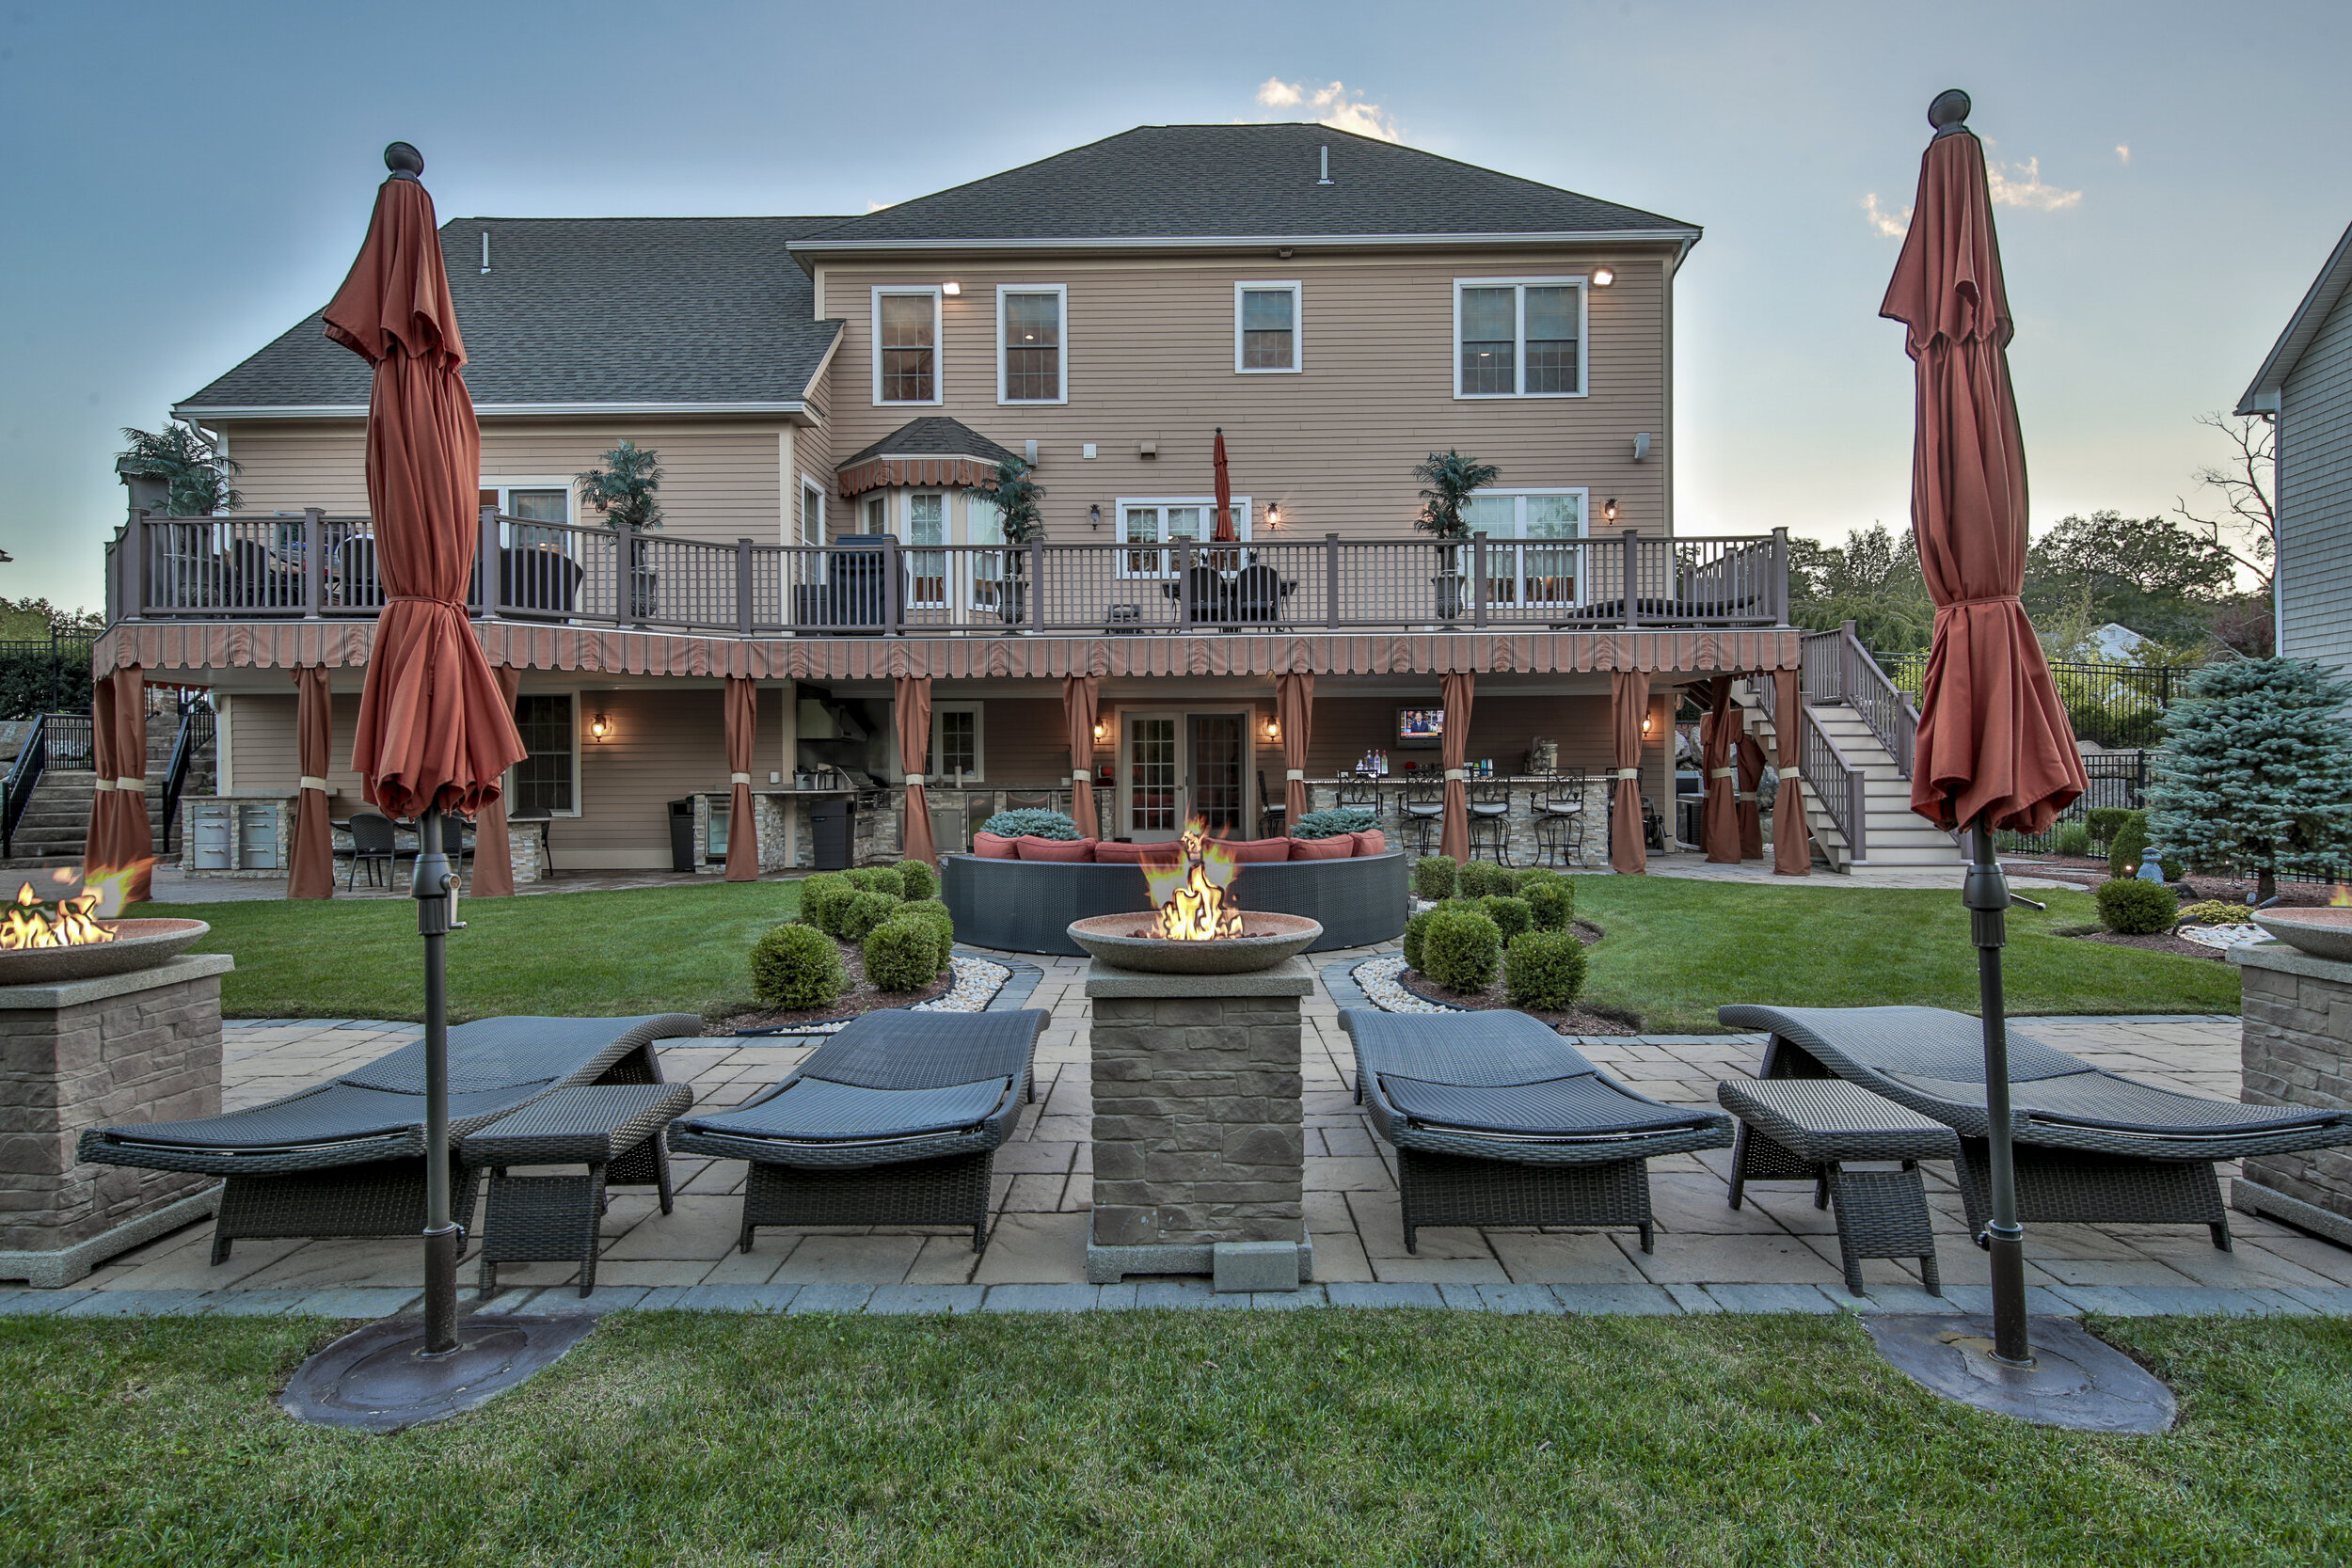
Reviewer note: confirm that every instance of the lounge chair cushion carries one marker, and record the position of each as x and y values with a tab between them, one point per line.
812	1110
1577	1103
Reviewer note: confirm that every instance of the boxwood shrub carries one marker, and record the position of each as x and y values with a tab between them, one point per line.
919	880
902	954
2136	909
1545	970
1553	904
1414	930
1485	880
1030	823
2103	822
878	879
798	966
932	912
1512	916
1528	876
857	915
1332	824
1460	948
817	892
1435	877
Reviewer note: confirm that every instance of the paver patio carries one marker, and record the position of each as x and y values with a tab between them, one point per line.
1778	1252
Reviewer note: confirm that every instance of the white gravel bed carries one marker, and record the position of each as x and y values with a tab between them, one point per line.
1377	979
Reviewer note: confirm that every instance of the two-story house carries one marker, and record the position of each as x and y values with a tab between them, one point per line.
825	396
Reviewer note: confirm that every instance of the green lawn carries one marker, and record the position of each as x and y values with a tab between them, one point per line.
1675	950
1320	1437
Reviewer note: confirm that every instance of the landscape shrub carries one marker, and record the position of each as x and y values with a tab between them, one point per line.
917	881
1435	877
2136	909
902	954
1544	969
1553	904
2214	911
797	966
1332	824
932	912
1528	876
856	916
1415	929
1461	949
2072	838
2129	841
1512	916
817	892
879	878
1031	823
2103	822
1483	879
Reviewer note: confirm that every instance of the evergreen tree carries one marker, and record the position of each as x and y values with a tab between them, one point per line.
2257	766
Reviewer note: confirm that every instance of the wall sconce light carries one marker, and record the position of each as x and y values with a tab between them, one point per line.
1603	277
1273	727
1649	723
1274	516
951	289
1101	732
599	726
1609	509
1094	519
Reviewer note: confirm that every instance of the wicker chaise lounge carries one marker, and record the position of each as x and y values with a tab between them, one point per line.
346	1158
895	1120
1497	1121
2091	1147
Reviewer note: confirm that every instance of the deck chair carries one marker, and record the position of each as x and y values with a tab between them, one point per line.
1497	1121
2093	1146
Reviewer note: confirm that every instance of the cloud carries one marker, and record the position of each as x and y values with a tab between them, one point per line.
1887	225
1332	105
2124	153
878	206
2020	185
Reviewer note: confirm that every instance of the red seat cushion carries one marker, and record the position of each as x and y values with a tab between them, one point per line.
1372	841
1111	851
1035	848
995	847
1248	851
1323	849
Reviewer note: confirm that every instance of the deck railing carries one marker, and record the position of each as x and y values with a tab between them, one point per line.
315	566
1838	668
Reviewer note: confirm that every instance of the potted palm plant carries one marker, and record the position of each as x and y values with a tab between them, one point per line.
1448	481
623	490
1020	513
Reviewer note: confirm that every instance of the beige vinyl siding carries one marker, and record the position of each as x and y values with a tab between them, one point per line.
1149	356
720	481
1025	740
663	743
262	747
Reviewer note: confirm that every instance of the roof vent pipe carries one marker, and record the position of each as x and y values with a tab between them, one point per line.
486	251
1326	165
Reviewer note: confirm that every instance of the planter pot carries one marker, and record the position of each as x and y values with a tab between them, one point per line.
1453	596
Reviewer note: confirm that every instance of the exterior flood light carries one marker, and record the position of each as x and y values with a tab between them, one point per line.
951	289
1603	277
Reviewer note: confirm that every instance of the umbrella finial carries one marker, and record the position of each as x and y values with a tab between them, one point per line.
1949	112
404	160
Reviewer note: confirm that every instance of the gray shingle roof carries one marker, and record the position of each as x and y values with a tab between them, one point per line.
1199	182
607	311
934	436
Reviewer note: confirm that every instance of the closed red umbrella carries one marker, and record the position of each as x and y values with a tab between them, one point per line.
118	838
1226	534
1994	748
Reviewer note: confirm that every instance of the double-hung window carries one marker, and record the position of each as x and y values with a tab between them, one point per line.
906	345
1266	328
546	782
927	568
1029	345
956	743
1518	337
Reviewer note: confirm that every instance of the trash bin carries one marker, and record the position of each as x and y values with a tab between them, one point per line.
682	834
832	832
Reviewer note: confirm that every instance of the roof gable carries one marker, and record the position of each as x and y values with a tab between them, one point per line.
2326	290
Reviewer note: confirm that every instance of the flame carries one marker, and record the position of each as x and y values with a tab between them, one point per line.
1190	892
30	922
114	887
2341	897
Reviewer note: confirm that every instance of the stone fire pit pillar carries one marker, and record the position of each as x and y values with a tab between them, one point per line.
2296	1050
1200	1144
143	1046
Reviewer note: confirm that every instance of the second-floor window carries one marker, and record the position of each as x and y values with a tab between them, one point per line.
1029	344
1518	337
1265	328
906	345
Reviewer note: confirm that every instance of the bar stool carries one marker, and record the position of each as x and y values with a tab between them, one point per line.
1558	810
1424	813
1490	820
1361	793
1273	811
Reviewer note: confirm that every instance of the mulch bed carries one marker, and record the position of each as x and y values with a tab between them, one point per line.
2088	873
1575	1021
2163	942
859	998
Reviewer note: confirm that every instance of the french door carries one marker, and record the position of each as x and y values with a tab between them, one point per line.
1534	552
952	581
1177	765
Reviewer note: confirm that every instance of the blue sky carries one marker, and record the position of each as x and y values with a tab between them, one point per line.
185	183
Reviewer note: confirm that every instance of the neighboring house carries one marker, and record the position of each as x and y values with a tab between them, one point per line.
821	391
2305	389
2117	643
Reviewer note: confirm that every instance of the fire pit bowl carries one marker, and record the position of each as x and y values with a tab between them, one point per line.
1265	941
137	945
2322	933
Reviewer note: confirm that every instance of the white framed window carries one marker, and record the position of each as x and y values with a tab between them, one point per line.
1534	544
1518	337
1269	336
958	743
1148	525
810	527
926	563
544	498
546	782
1032	343
906	344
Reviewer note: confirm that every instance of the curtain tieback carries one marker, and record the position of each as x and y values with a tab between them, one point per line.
739	778
311	780
1454	775
103	784
1722	772
1294	775
136	784
1628	773
1990	598
915	781
1080	775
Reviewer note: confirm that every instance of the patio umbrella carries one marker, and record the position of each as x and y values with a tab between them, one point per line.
1454	749
915	747
1994	748
493	845
118	838
1081	700
1226	532
742	726
1720	827
310	866
435	733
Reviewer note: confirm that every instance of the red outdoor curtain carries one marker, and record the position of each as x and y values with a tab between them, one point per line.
1720	828
493	851
743	751
1225	533
1792	845
310	866
1453	747
1994	739
1294	710
1751	762
1628	701
434	731
118	838
1081	700
915	747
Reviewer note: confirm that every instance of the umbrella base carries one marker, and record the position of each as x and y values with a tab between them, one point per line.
379	1379
2076	1381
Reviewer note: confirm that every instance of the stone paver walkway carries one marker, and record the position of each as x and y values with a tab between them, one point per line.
1777	1253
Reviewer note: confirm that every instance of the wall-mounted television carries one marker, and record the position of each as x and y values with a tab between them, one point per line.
1419	726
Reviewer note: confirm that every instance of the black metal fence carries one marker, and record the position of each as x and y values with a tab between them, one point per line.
2119	706
45	675
2118	781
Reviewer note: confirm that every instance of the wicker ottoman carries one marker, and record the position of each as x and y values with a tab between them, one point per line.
1806	1128
612	1128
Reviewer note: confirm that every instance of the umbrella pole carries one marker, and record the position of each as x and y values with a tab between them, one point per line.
1987	897
441	1238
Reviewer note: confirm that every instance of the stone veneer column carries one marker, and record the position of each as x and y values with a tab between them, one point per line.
1200	1143
2296	1050
138	1047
